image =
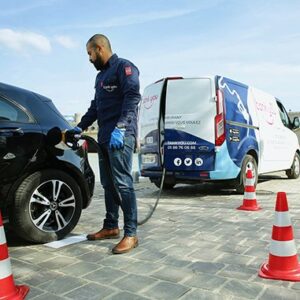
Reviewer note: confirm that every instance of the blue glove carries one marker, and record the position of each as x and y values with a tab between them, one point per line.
117	139
75	130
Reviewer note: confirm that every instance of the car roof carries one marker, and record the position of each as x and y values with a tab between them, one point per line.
42	107
20	94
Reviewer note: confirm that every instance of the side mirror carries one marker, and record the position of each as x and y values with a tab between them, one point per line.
296	122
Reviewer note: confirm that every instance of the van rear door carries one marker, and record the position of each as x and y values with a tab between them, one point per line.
149	126
189	133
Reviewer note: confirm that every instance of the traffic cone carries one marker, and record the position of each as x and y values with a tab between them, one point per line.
8	290
283	260
249	202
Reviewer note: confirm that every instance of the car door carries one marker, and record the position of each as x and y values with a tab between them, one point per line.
20	138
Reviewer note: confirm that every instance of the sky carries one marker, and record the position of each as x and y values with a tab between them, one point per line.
257	42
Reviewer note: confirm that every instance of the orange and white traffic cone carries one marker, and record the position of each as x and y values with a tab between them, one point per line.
8	290
283	260
249	202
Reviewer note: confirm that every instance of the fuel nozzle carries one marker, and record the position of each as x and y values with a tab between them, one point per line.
68	137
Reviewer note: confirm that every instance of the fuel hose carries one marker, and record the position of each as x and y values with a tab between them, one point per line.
117	196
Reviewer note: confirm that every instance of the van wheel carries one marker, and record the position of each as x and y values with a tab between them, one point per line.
47	206
249	163
294	171
166	185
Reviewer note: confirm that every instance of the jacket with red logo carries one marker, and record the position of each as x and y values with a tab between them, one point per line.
116	99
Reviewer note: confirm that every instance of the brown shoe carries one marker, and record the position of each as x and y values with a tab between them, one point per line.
104	233
125	245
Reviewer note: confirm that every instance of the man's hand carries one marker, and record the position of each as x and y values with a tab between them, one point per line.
117	139
71	135
75	130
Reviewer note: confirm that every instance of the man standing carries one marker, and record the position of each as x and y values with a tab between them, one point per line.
115	108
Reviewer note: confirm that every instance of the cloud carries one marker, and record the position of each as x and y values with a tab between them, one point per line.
20	40
65	41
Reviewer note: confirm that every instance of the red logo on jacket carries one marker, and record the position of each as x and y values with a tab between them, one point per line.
128	71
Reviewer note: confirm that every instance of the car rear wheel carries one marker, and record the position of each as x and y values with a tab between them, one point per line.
294	171
47	206
249	163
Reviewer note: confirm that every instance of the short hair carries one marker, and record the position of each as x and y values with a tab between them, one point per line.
99	39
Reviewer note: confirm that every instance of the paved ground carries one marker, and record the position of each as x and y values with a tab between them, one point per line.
196	246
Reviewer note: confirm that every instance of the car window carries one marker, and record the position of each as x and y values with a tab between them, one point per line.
283	115
10	112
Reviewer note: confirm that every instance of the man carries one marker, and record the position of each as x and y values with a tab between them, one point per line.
115	108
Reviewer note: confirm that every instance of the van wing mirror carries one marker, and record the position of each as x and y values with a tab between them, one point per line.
296	122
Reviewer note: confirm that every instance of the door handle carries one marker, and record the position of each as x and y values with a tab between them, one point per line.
8	132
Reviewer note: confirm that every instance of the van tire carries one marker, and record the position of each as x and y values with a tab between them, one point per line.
248	162
166	185
294	171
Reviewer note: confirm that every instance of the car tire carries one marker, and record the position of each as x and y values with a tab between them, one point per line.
294	171
249	162
47	206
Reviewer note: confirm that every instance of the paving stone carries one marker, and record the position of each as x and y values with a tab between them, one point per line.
37	278
173	274
166	291
134	283
205	254
34	293
92	257
105	275
91	291
205	295
80	269
148	255
47	296
175	261
117	261
205	281
242	289
230	258
35	257
238	271
126	296
273	292
21	269
62	285
142	267
57	262
206	267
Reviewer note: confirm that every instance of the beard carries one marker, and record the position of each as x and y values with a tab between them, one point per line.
98	63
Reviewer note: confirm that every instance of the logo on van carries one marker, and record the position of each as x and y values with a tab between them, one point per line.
267	110
149	101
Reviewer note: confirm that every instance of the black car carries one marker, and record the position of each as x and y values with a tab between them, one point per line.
43	186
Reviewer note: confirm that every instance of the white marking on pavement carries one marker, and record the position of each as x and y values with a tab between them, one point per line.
67	241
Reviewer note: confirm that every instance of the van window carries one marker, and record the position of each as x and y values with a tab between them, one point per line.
10	112
283	115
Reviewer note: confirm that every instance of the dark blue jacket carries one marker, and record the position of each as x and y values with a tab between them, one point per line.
116	99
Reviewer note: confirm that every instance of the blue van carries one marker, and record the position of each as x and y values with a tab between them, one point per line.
213	128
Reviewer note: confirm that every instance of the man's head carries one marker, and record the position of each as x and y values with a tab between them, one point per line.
99	50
